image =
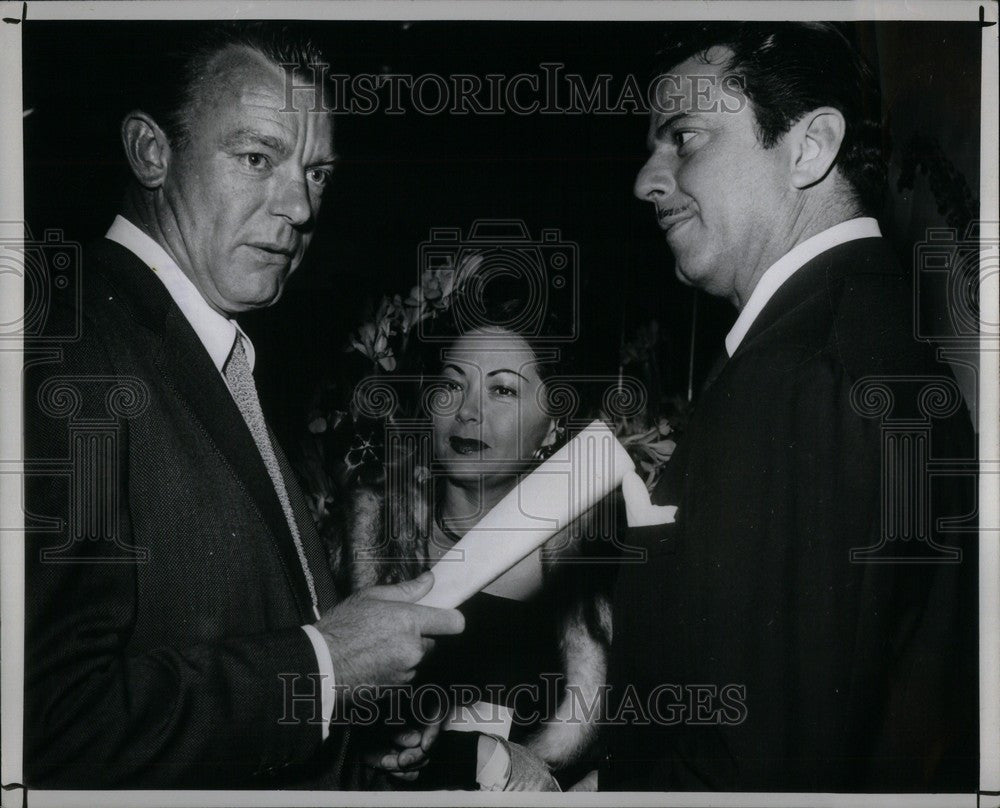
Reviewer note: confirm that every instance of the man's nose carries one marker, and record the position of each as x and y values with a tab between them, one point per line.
655	180
291	201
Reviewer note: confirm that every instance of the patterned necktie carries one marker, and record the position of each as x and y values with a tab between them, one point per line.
239	377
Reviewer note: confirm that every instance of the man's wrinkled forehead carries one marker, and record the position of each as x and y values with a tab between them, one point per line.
247	79
239	72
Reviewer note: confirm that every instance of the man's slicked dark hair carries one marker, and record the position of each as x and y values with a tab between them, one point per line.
787	69
177	80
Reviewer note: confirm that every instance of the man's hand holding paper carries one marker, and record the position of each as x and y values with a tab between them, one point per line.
379	635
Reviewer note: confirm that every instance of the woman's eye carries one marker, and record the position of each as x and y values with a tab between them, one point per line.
503	390
453	387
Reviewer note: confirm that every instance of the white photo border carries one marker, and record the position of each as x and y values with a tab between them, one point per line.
17	14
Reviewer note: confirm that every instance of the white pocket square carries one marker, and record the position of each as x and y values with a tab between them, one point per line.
639	510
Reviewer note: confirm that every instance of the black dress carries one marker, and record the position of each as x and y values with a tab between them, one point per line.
507	655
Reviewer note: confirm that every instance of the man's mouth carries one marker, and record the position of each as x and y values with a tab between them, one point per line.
668	217
466	446
277	250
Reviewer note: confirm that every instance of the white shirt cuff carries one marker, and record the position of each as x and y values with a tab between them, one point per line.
325	665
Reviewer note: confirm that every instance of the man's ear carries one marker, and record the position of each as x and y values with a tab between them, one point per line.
818	136
146	149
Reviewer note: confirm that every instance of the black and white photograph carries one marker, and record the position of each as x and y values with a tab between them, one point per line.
587	403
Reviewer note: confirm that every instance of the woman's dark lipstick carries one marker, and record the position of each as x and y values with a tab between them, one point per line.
466	446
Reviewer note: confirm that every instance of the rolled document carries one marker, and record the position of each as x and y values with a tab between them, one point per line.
580	474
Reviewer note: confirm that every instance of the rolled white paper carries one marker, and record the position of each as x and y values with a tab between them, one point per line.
579	475
483	716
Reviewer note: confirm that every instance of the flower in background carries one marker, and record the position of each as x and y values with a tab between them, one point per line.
373	342
437	285
320	422
651	449
372	338
364	449
414	310
436	290
408	316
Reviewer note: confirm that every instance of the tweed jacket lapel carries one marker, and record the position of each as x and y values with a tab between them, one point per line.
188	369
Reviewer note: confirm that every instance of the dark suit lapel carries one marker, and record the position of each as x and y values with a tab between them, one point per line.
189	371
718	364
818	276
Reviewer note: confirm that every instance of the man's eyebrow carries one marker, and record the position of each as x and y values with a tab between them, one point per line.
662	131
504	370
329	160
662	128
249	137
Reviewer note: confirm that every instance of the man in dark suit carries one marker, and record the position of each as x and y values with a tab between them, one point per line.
182	626
803	624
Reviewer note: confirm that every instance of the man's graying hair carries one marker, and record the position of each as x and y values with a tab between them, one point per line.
786	70
181	76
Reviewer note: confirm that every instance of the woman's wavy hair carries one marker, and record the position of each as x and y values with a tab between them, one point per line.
787	69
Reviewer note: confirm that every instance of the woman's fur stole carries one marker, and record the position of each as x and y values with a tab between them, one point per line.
381	541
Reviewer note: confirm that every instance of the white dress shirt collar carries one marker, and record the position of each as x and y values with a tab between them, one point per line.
786	266
216	332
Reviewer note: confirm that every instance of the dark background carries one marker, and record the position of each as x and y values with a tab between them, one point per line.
402	175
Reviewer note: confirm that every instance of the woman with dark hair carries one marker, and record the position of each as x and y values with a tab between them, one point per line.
536	638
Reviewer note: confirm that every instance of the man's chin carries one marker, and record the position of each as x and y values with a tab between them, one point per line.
243	300
683	278
693	273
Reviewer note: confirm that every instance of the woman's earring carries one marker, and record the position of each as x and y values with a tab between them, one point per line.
547	449
543	452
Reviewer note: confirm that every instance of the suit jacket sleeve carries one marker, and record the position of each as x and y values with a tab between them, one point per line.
99	713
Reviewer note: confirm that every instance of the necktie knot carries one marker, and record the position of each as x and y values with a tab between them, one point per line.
237	367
